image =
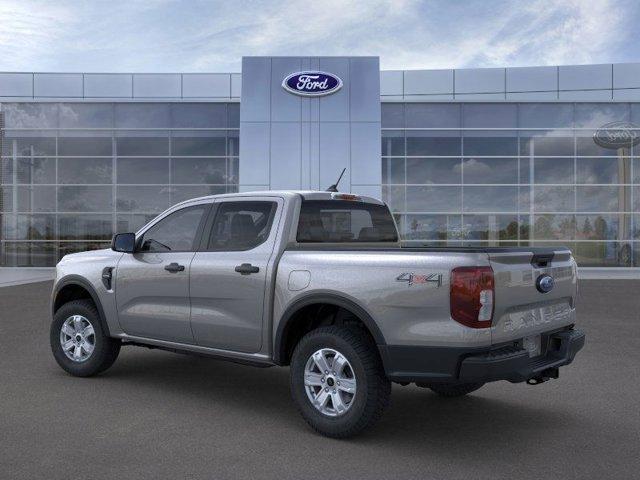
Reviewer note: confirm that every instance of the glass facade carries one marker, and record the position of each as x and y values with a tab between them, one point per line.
514	174
72	174
482	174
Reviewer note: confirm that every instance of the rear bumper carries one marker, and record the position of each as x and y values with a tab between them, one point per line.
465	365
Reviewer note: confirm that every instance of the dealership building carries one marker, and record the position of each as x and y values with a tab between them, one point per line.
482	157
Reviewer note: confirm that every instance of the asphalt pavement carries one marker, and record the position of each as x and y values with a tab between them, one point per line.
161	415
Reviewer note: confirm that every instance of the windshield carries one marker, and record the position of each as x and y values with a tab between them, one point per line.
333	221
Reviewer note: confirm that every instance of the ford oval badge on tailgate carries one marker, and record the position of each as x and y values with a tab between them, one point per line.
312	84
545	283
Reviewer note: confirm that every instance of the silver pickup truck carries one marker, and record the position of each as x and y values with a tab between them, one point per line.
318	281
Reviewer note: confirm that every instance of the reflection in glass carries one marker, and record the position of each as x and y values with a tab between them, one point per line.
181	193
394	197
36	198
33	146
490	170
85	170
432	227
132	222
143	199
428	144
199	115
29	227
432	115
603	199
85	227
85	199
202	146
199	170
36	170
90	146
392	115
86	115
142	146
392	143
545	115
553	170
490	199
554	227
602	226
39	254
434	170
554	199
142	170
30	115
603	254
490	227
546	144
142	115
434	199
393	170
603	170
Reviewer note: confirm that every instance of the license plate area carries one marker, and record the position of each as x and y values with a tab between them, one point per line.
533	345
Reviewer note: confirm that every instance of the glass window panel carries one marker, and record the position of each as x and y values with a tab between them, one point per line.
490	170
145	146
199	170
544	144
525	170
6	170
491	144
603	170
6	199
36	199
85	227
603	199
545	115
29	146
392	143
392	115
199	115
553	170
554	227
603	254
585	145
554	199
636	199
490	227
488	115
393	170
85	199
30	115
175	232
434	199
435	143
233	112
85	170
432	115
142	170
490	199
29	227
91	146
40	254
434	170
132	222
598	114
143	199
525	228
432	227
524	199
211	145
66	248
92	115
233	171
636	170
635	234
233	143
36	170
181	193
394	198
142	115
603	227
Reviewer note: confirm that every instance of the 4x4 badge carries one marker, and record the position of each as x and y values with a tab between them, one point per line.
412	278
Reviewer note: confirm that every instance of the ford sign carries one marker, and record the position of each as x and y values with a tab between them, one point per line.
312	84
617	135
545	283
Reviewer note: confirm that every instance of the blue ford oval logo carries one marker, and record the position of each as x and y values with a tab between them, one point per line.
312	84
545	283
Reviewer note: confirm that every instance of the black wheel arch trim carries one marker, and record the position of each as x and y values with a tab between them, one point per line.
81	282
279	355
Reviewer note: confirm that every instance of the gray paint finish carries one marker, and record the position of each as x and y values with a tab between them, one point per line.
293	142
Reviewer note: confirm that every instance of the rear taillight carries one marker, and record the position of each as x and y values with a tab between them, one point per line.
472	296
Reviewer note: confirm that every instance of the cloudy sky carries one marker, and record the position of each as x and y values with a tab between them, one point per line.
212	36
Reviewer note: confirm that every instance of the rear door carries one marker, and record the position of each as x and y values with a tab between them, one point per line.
228	274
152	285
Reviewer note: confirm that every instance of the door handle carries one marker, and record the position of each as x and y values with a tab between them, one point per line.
247	269
174	268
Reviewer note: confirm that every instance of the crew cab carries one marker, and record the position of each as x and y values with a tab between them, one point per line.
319	282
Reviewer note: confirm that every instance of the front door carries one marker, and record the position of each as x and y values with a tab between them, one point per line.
228	276
152	285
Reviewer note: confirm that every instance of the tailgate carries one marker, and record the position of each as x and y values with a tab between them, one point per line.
521	308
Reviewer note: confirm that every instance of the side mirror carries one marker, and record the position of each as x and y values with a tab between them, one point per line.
124	242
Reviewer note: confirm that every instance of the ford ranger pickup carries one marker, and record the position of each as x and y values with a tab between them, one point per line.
319	282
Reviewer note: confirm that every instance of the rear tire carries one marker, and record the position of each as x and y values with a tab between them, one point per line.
454	390
78	341
350	356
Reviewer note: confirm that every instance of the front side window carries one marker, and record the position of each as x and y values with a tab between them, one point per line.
175	233
241	225
345	221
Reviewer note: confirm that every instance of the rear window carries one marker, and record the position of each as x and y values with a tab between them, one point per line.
345	221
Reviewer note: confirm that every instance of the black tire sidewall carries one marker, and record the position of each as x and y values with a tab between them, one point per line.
333	426
103	344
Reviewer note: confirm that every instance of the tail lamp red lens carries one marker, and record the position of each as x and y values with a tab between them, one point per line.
472	296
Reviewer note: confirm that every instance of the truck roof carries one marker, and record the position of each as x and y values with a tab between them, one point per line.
306	194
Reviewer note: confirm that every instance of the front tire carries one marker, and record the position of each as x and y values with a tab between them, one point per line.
338	382
78	342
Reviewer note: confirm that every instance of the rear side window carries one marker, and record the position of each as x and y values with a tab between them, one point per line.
345	221
241	225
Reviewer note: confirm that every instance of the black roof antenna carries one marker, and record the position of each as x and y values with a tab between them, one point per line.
334	187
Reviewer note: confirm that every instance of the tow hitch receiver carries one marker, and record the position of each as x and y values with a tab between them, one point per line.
543	376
